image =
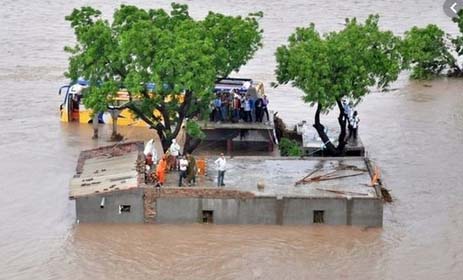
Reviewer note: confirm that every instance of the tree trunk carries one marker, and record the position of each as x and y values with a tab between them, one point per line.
342	124
95	126
331	149
191	144
321	132
114	135
164	128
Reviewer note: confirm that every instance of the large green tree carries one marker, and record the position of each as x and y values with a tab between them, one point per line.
336	65
182	56
425	51
430	52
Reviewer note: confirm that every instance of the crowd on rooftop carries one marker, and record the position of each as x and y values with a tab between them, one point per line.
237	106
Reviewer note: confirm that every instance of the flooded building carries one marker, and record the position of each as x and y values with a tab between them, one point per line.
107	186
259	190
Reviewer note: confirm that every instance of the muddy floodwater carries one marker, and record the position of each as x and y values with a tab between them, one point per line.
414	133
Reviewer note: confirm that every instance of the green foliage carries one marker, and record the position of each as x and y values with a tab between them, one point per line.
182	56
345	63
290	148
193	129
425	51
91	57
235	40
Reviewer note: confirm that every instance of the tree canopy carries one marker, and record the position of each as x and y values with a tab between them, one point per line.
345	63
338	64
182	57
430	52
425	51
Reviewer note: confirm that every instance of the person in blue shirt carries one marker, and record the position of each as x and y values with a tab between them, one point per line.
217	108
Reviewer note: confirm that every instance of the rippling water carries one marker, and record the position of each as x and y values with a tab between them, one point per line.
415	133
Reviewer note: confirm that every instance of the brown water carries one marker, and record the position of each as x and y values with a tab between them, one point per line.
415	133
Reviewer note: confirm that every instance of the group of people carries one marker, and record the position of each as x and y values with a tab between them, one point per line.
352	118
236	106
174	160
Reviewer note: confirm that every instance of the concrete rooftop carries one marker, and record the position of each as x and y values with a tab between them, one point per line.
345	177
105	173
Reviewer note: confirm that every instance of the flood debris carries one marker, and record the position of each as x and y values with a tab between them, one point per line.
376	181
342	192
337	173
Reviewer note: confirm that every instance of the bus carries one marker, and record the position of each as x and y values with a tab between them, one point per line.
73	109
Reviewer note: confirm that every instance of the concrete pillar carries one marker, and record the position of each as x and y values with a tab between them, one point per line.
270	141
229	146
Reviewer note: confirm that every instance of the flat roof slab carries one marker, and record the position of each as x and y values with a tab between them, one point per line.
105	173
325	177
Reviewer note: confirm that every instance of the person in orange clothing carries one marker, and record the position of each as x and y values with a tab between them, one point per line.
161	170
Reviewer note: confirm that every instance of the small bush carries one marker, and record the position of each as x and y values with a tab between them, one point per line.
290	148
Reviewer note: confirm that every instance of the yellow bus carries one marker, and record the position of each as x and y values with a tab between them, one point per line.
73	109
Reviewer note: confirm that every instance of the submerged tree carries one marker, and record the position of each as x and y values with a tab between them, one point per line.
425	51
457	69
336	65
181	56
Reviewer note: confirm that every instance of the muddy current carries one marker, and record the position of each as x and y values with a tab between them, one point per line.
414	133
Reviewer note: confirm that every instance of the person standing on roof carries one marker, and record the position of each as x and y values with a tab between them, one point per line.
161	170
220	164
242	105
265	102
247	109
236	107
191	169
174	151
217	108
353	124
150	148
225	106
259	113
347	108
183	165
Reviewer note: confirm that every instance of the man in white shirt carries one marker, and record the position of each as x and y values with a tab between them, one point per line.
174	151
354	123
183	164
220	164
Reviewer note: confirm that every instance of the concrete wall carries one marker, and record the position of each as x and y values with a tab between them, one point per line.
269	210
255	210
299	211
88	208
226	211
367	212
